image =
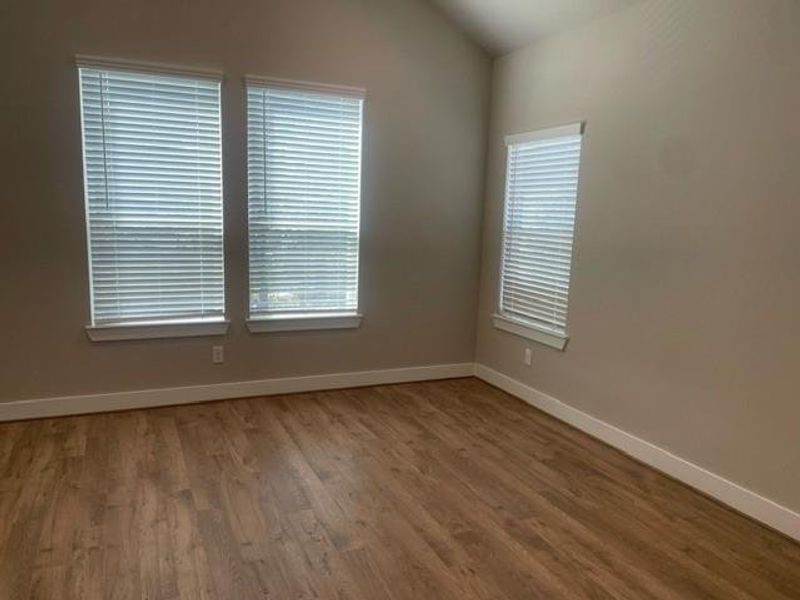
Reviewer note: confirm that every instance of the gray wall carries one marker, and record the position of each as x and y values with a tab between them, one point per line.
684	313
426	113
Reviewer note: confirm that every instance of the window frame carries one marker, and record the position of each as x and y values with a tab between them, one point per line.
155	328
513	323
334	320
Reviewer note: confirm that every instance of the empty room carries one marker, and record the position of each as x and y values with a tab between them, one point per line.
400	299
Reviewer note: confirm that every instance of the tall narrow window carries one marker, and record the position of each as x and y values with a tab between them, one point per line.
153	185
541	193
304	189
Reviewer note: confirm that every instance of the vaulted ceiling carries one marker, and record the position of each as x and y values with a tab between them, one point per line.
501	26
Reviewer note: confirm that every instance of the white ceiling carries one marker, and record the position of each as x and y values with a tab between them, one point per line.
501	26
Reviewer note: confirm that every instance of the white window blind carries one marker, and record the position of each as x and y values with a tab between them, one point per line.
541	193
304	184
153	185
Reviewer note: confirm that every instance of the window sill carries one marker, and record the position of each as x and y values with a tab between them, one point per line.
303	322
157	330
531	331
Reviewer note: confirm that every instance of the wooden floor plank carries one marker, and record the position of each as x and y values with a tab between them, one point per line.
435	490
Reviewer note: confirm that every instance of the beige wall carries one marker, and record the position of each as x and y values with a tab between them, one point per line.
685	304
428	90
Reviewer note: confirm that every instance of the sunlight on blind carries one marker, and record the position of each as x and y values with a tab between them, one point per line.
541	193
304	183
153	184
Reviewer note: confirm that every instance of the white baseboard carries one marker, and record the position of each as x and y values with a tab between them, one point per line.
745	501
737	497
76	405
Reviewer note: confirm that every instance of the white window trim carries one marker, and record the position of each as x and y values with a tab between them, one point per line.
150	330
308	322
275	82
531	331
524	328
98	62
546	134
323	321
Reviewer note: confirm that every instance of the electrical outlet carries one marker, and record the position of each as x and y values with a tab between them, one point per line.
218	355
528	357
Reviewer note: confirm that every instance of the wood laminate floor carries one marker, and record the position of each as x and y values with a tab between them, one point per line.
437	490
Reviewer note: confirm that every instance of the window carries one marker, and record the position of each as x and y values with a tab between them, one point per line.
304	188
541	193
153	187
